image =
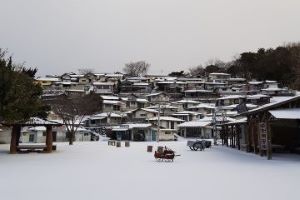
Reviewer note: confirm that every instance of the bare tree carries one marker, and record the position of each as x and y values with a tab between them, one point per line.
139	68
197	71
216	62
85	71
72	110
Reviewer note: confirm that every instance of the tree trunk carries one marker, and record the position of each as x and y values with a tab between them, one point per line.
71	137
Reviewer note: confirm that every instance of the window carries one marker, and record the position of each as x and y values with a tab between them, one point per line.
31	138
93	121
44	133
172	125
104	87
116	108
226	102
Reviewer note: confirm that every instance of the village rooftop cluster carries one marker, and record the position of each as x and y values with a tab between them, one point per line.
239	113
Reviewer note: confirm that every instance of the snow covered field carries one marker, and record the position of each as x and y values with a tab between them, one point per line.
96	171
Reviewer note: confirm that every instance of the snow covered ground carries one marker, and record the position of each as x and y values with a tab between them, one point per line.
96	171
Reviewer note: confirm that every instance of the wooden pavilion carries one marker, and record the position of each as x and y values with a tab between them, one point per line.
16	147
264	132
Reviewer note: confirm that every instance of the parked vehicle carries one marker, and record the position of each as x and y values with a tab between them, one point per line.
198	144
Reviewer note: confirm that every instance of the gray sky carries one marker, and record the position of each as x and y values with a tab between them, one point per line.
64	35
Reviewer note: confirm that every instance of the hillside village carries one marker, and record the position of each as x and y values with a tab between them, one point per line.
157	107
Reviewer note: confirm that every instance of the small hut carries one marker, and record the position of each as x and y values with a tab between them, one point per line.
272	127
15	145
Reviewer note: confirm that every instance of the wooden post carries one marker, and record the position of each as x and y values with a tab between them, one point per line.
13	141
238	132
226	135
255	133
259	139
249	134
252	136
269	137
222	135
49	139
232	137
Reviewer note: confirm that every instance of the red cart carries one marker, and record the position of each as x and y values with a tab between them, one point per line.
164	154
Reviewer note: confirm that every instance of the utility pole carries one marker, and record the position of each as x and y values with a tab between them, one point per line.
158	120
214	120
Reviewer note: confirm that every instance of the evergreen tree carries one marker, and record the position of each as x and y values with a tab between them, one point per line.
19	93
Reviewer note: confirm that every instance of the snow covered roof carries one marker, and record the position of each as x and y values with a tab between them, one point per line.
36	128
120	128
142	100
39	121
237	79
186	113
237	121
274	89
187	101
255	82
204	105
154	94
271	81
112	102
103	83
149	110
274	102
166	82
67	83
114	75
132	126
195	124
107	97
218	119
48	79
99	74
231	97
219	73
202	91
140	84
215	83
104	115
256	96
289	113
166	118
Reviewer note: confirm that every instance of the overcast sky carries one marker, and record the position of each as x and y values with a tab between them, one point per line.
64	35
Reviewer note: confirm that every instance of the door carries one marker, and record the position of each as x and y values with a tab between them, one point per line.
153	135
172	125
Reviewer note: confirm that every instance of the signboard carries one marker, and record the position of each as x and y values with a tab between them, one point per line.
263	133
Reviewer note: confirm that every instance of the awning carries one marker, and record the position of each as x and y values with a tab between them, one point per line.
288	113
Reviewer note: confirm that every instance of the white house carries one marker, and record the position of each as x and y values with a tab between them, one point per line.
103	87
133	132
142	114
198	128
167	122
188	115
38	134
158	97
